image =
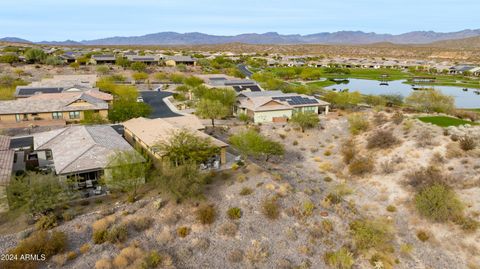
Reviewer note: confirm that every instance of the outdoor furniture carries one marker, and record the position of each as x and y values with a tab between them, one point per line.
98	190
89	184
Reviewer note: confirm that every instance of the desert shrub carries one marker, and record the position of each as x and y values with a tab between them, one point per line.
234	213
206	214
349	150
99	236
371	233
361	165
467	143
422	235
386	260
425	177
320	230
387	167
235	256
334	198
246	191
103	264
308	207
424	138
68	215
391	208
229	229
183	231
358	123
397	117
467	224
38	243
141	223
271	208
85	248
381	139
117	234
439	203
256	253
71	255
340	259
465	114
46	222
152	260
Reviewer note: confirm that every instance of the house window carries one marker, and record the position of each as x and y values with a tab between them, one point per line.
18	117
57	115
74	114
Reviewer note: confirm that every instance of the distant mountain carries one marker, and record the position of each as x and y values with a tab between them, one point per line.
465	43
341	37
61	43
14	40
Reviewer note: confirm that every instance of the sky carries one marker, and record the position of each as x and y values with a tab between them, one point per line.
39	20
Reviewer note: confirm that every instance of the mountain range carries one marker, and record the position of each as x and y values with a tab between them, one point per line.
195	38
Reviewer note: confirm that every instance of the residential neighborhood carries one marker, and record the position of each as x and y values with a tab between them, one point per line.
168	134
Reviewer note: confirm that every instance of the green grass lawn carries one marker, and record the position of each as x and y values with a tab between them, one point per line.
324	83
444	121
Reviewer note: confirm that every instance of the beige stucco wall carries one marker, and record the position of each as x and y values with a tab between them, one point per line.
267	116
46	116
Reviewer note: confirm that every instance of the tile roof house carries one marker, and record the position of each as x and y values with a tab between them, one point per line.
103	59
6	160
176	60
82	150
67	106
146	133
276	106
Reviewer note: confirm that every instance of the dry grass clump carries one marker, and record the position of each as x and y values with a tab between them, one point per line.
129	256
382	139
349	150
397	117
465	114
368	234
453	150
103	264
428	176
386	260
85	248
467	143
321	229
340	259
257	253
424	138
235	256
46	222
358	123
140	223
423	235
229	229
183	231
234	213
380	118
38	243
246	191
361	165
100	229
271	208
206	214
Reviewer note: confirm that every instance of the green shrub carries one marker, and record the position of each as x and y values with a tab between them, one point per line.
117	234
340	259
467	224
381	139
371	233
308	208
391	208
438	203
382	258
152	260
361	165
234	213
46	222
206	214
271	208
358	123
99	236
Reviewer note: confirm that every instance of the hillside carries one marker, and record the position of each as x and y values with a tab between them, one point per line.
465	43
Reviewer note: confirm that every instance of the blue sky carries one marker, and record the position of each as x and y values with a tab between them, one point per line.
39	20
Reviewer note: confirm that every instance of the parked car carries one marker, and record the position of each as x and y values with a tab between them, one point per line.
140	99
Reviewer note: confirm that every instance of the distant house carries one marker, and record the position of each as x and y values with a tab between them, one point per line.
6	161
146	133
103	59
78	153
55	108
29	91
176	60
68	58
146	59
275	106
225	81
460	69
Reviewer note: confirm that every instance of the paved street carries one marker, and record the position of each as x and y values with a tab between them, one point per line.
155	100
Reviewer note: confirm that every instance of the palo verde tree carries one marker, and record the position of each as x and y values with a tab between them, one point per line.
211	109
36	193
251	143
305	120
127	171
431	101
186	147
35	56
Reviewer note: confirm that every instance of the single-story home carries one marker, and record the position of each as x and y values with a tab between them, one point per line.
460	69
176	60
82	153
146	133
103	59
225	81
146	59
276	106
66	107
29	91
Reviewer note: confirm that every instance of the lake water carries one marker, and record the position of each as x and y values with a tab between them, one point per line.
463	99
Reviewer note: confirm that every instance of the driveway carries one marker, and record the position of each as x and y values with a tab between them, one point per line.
159	108
245	70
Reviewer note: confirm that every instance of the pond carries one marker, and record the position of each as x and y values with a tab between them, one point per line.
463	99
